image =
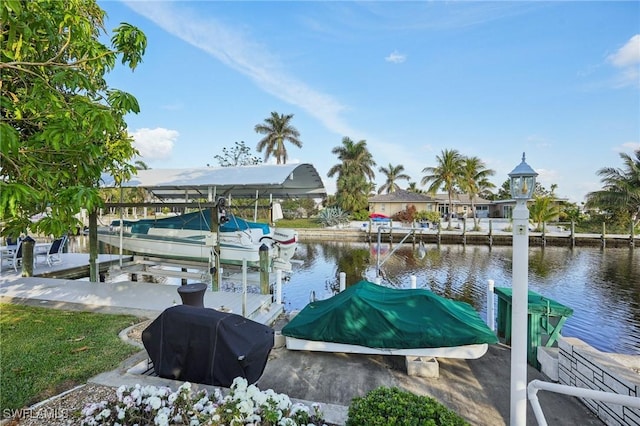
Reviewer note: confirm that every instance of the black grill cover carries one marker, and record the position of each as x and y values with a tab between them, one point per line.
202	345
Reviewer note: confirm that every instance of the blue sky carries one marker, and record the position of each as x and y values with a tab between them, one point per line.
557	80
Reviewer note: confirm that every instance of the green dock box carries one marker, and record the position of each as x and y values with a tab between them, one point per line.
545	320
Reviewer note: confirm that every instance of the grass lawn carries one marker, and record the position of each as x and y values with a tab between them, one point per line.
299	223
46	351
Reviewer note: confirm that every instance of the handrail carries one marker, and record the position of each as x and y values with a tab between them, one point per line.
536	385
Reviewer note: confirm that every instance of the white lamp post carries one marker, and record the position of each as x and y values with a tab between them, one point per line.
523	182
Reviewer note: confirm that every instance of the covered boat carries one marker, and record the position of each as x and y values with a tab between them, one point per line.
370	318
189	237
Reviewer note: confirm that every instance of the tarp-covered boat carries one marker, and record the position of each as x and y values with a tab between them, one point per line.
203	345
370	318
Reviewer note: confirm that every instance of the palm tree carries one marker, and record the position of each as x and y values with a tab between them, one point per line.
543	210
445	175
355	158
621	190
392	173
354	174
413	187
140	165
277	130
139	194
352	191
475	181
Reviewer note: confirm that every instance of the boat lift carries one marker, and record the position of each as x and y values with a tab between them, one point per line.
379	263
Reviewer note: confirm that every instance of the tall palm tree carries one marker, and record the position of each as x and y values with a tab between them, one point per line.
392	174
277	130
355	158
354	174
475	181
621	191
445	174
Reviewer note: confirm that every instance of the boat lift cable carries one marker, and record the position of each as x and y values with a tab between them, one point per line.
380	263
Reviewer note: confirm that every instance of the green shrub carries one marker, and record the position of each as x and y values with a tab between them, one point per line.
360	215
391	406
430	216
332	216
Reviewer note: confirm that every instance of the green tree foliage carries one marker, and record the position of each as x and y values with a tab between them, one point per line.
238	155
446	175
543	209
413	187
474	182
392	174
62	126
354	174
620	195
277	130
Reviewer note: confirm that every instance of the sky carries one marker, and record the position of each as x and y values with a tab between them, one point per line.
559	81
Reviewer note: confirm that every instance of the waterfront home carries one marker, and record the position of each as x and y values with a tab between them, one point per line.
393	202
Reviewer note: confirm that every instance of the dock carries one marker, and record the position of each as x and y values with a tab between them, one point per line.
58	286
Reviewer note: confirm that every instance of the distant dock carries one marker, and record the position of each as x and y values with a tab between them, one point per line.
459	236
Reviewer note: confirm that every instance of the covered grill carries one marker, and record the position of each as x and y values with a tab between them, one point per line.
202	345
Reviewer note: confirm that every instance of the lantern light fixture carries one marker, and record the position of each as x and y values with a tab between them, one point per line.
523	181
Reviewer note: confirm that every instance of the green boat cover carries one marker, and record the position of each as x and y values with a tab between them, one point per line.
371	315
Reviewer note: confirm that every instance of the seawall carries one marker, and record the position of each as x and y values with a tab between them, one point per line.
415	235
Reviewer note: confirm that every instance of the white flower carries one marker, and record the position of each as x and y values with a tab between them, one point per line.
120	391
239	384
155	402
139	402
245	407
162	419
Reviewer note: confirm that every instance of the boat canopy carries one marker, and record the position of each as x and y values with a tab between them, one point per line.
264	180
374	316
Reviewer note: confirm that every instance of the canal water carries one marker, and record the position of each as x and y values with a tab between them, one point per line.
602	286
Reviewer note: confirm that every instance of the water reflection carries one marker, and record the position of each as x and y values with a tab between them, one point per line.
602	286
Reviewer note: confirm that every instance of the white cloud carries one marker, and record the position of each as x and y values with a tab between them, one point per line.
155	144
630	146
235	49
627	55
396	57
627	59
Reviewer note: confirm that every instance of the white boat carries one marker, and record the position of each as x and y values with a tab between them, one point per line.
189	237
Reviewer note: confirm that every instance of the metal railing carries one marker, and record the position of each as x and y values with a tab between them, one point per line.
613	398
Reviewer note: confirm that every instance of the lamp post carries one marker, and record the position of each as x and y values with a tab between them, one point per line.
523	181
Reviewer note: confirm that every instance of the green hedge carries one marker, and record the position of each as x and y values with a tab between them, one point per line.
391	406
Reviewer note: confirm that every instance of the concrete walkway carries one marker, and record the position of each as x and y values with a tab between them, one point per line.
479	390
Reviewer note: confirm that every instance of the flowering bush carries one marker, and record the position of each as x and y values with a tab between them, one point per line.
243	405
